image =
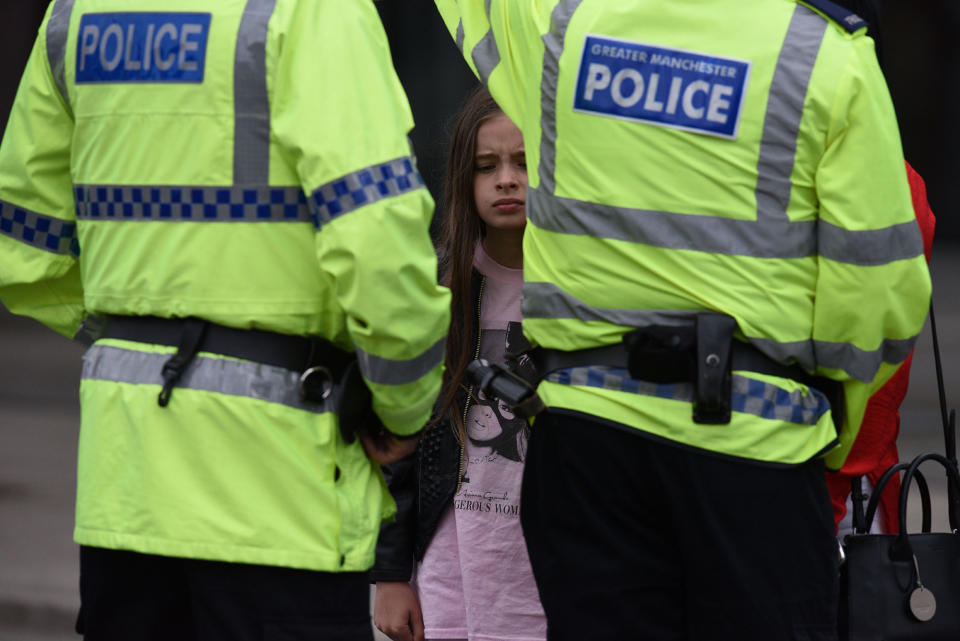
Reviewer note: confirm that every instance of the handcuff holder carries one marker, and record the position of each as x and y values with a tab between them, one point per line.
699	353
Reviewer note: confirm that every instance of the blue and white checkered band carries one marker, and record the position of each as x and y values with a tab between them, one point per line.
197	204
748	396
363	187
37	230
662	86
142	47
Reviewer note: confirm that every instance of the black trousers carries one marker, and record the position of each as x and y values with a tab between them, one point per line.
126	596
635	538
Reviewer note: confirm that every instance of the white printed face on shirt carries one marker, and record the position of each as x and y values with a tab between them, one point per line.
492	424
482	423
500	175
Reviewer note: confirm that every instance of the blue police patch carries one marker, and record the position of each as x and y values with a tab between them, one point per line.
142	47
662	86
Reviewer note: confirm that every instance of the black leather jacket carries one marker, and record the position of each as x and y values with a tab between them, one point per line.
424	483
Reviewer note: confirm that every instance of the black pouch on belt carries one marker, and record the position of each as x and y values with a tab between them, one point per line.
711	404
697	353
662	354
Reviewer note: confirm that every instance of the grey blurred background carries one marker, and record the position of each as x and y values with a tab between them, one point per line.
39	371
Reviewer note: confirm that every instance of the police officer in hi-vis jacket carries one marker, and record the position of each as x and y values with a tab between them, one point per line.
228	186
721	264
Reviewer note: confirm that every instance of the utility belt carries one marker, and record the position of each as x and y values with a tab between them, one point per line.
326	371
703	353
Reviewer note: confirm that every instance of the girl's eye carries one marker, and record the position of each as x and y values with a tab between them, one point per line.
484	168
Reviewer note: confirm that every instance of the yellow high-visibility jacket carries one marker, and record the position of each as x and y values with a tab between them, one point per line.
741	157
246	163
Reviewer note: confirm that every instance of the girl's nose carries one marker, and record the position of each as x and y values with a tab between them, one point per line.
507	179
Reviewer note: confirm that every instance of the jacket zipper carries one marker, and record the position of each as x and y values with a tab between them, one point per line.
466	405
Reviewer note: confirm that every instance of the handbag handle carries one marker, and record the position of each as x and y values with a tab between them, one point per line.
902	548
863	527
949	419
949	422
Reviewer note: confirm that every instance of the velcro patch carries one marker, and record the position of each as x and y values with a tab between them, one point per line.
662	86
142	47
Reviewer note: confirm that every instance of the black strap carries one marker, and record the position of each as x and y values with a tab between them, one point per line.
743	356
190	337
193	335
296	353
326	370
950	444
949	422
949	435
551	360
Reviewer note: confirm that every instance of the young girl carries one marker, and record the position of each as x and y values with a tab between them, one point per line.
458	496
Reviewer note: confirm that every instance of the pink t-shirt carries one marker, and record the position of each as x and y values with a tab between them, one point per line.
475	580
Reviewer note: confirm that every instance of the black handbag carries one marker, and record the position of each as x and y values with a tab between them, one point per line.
902	586
905	586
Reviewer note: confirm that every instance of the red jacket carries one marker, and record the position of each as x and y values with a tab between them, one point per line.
875	449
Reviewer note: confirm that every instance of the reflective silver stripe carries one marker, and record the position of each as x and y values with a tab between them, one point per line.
460	35
251	103
767	239
48	233
186	203
781	124
364	187
748	396
772	235
546	300
485	54
870	247
859	363
389	372
784	108
218	375
58	27
553	48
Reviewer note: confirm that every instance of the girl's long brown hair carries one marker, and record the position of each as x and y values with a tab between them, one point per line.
461	230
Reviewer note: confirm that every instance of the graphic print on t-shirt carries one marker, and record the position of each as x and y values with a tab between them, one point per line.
493	426
496	445
491	423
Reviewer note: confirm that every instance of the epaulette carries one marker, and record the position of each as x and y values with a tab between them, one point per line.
844	17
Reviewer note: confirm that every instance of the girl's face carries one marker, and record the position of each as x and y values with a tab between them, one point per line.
500	175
